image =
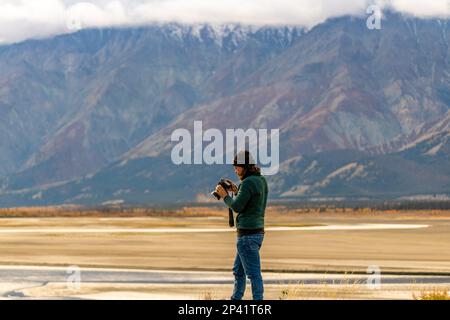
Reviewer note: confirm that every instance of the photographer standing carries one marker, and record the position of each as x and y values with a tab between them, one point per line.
250	204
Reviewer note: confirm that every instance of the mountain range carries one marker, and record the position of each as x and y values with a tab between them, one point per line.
87	117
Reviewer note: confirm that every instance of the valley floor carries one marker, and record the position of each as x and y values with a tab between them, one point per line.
304	256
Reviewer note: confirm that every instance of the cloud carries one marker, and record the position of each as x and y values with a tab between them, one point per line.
421	8
24	19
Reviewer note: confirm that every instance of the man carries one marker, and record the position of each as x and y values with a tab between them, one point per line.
250	204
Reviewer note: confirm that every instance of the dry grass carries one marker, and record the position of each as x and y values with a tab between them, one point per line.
76	211
203	211
433	294
208	296
336	289
292	292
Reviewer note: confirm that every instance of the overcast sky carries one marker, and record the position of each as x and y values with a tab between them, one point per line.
24	19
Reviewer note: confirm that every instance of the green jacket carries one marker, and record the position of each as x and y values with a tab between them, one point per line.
250	202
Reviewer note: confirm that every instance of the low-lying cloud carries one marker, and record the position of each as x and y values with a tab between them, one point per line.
25	19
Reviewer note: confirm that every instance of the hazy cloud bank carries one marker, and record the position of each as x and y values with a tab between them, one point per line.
24	19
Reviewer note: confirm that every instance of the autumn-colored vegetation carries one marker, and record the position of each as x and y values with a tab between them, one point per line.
200	211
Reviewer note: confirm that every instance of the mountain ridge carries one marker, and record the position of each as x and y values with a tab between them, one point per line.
107	99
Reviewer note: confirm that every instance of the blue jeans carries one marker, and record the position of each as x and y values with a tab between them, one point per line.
248	263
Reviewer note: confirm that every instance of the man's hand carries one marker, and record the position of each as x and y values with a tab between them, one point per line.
234	187
221	191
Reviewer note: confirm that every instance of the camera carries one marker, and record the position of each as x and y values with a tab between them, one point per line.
228	187
225	184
